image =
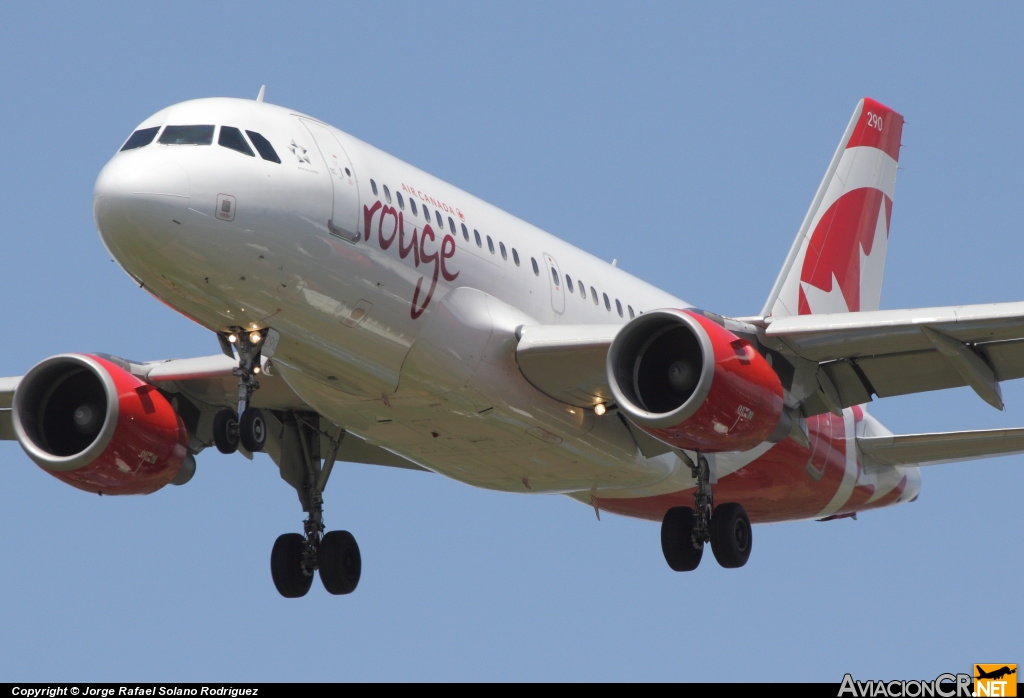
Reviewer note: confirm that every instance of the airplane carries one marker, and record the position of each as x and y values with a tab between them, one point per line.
996	673
368	312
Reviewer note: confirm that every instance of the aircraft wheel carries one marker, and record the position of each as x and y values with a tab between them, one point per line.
286	566
731	536
340	562
677	540
252	430
225	430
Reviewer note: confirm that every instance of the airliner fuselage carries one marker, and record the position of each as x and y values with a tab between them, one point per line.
398	297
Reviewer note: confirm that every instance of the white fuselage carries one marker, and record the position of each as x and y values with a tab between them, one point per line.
396	296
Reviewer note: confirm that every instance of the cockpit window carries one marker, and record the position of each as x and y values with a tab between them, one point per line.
231	137
144	136
264	148
187	135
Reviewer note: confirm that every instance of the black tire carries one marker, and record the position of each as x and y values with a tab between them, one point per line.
677	540
225	430
731	535
252	430
286	566
340	562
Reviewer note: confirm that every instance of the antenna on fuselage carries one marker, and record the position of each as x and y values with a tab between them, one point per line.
263	91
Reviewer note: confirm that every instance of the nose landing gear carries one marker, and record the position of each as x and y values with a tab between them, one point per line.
684	531
247	426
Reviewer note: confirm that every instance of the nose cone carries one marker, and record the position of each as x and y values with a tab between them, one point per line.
138	203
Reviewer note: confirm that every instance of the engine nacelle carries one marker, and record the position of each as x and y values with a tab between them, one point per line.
693	384
93	425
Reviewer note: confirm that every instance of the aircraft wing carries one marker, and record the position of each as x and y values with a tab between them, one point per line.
567	362
208	384
208	379
941	447
895	352
7	386
857	355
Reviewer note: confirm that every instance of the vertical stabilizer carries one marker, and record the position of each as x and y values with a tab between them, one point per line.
837	259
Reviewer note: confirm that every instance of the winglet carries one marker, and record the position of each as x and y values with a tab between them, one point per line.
836	262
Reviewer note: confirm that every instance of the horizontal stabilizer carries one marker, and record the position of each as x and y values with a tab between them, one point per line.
941	447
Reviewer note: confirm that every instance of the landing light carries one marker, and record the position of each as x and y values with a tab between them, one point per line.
254	337
255	369
232	338
599	409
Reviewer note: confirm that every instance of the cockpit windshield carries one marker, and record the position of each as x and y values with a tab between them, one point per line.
231	137
144	136
187	135
266	150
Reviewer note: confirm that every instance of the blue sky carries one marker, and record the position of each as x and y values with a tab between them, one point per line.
685	140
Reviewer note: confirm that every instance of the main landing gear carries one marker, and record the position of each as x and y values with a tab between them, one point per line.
296	557
247	426
684	531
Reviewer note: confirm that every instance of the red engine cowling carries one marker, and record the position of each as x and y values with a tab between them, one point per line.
693	384
97	427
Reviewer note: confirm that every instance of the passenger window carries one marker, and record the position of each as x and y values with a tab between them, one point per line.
504	254
583	291
536	269
465	232
187	135
451	224
593	294
515	256
554	277
476	234
618	307
231	137
426	213
263	147
412	204
568	283
401	201
607	303
144	136
387	194
490	244
631	314
437	215
373	186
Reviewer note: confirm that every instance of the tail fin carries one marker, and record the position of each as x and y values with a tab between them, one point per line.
837	259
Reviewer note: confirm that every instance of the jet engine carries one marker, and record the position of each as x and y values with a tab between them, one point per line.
693	384
93	425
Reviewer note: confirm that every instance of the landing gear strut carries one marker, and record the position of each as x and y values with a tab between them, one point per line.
684	531
296	557
246	426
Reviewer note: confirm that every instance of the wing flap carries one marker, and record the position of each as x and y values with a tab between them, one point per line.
941	447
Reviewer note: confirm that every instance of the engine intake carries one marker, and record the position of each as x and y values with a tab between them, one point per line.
693	384
93	425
